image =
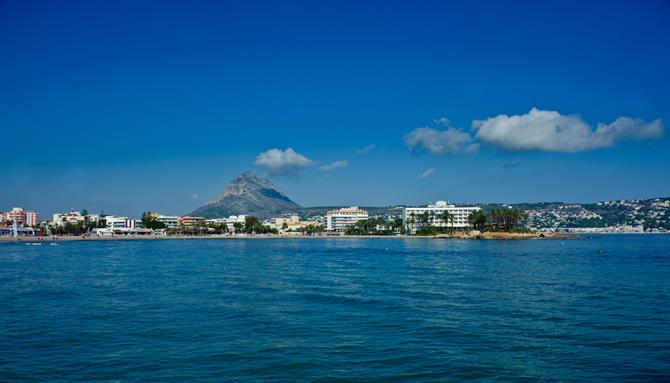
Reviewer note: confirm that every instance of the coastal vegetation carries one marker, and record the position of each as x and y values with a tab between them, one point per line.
497	220
376	226
254	226
150	222
311	229
505	219
74	228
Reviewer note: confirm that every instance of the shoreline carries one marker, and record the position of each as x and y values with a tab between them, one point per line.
468	236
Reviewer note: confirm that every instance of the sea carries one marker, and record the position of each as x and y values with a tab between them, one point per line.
592	309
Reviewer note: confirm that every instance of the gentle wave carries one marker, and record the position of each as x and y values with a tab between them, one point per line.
337	310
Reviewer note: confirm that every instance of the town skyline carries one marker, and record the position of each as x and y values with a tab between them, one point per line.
7	206
128	107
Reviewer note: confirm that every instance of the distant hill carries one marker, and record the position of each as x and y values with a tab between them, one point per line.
248	194
253	195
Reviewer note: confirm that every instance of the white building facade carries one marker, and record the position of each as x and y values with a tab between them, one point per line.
170	221
116	222
73	217
230	221
414	218
341	219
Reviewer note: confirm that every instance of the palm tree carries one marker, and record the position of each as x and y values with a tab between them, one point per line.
84	213
448	218
410	222
477	219
424	218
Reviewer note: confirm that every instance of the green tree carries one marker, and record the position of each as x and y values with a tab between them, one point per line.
506	219
423	218
253	226
311	229
154	224
411	220
448	218
84	214
151	223
396	225
477	219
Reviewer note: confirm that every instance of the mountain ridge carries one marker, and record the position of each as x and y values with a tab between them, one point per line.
248	194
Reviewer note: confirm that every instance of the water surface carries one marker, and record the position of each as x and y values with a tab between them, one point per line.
337	310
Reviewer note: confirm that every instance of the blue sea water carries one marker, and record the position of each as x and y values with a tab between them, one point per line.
337	310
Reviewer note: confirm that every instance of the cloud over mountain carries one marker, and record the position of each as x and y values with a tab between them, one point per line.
545	130
282	162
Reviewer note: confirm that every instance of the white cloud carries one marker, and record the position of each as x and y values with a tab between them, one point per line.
366	150
442	121
511	164
426	174
449	141
282	162
334	166
547	130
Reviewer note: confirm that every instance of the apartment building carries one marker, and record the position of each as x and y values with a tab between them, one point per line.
340	219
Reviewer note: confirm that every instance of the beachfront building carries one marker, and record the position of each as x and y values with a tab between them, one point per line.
116	222
190	221
433	215
340	219
288	223
170	221
20	217
17	231
73	217
229	222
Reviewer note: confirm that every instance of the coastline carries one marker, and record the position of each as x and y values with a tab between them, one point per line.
466	236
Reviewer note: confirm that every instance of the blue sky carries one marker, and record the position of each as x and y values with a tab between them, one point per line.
130	106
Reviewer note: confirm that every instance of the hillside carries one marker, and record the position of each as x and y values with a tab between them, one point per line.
251	195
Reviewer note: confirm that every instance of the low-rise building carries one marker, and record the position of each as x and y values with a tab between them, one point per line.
340	219
190	221
73	217
229	222
116	222
288	223
170	221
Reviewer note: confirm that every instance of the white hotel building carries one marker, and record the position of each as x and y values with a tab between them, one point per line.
412	216
339	220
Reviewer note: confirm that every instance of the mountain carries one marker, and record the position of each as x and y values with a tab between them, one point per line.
248	194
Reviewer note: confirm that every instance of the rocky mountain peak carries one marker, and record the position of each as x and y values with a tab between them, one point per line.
251	194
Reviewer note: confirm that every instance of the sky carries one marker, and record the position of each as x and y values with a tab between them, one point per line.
134	106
